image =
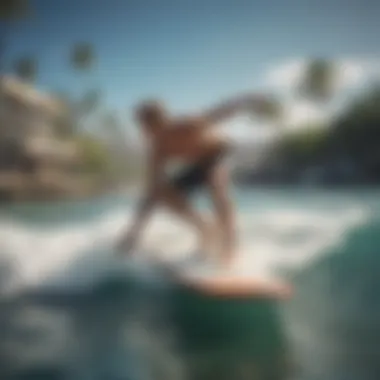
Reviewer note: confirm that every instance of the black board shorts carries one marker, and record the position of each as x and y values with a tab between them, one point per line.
195	175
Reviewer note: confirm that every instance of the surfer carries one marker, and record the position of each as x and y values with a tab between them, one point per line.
195	140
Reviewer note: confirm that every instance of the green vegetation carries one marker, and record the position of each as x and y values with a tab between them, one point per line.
304	147
353	138
346	149
356	134
95	158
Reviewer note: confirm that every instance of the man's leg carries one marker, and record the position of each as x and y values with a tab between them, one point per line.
219	189
176	202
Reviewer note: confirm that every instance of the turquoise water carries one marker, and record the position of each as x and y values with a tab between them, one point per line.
71	311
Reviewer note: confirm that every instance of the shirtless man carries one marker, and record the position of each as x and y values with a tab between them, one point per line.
196	141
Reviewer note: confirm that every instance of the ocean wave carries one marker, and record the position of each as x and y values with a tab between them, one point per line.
77	256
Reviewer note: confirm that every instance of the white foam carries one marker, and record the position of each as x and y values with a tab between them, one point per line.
78	256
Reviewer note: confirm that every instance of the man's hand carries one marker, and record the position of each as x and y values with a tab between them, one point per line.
128	242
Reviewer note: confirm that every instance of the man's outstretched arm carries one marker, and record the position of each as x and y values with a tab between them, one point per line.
229	108
145	206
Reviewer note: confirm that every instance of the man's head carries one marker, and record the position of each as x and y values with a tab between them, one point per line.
152	116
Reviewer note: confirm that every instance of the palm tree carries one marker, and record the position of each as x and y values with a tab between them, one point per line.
10	10
26	68
82	56
319	80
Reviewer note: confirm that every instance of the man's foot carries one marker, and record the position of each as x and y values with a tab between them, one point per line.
227	259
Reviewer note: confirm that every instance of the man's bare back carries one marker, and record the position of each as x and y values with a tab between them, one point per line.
188	139
196	141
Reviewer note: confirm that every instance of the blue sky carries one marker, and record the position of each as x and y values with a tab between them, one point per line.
191	53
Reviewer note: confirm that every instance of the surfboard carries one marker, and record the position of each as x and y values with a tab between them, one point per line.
226	283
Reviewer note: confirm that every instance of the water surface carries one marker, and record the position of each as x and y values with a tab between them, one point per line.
99	319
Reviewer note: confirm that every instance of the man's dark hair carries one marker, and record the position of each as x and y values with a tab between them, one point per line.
150	110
